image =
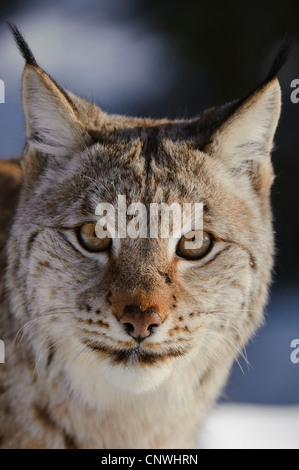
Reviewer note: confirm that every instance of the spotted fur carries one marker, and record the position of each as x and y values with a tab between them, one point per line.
74	377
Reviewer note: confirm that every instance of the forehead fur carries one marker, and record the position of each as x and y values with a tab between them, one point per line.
145	169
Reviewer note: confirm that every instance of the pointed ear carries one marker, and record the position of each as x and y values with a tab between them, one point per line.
52	123
247	135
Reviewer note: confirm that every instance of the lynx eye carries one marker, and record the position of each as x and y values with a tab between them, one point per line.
89	239
194	245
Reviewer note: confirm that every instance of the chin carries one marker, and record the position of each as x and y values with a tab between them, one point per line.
135	378
98	381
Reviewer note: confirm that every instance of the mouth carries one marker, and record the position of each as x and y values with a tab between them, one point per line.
132	356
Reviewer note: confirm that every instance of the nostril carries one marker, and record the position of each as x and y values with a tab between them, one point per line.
152	326
128	327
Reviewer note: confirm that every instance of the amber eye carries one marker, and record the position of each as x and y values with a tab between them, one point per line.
90	240
194	245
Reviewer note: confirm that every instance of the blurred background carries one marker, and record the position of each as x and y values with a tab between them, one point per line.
172	58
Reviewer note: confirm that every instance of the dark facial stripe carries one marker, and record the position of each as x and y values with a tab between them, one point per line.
43	416
69	441
51	354
217	255
150	147
30	241
133	355
70	244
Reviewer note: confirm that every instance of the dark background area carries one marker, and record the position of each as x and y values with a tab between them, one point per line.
214	52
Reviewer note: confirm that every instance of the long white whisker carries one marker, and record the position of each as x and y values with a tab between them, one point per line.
31	323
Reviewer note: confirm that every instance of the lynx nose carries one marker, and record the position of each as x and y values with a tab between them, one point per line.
140	323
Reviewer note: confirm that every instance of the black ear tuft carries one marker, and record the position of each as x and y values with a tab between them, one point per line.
22	44
212	119
279	61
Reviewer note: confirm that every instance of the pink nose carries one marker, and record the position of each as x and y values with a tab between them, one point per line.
138	323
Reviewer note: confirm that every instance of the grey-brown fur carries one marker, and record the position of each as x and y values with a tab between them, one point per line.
73	377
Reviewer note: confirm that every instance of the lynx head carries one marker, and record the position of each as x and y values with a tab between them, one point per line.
135	311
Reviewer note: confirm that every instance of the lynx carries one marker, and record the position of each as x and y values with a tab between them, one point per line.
121	342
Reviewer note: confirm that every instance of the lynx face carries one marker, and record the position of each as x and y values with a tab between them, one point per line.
128	310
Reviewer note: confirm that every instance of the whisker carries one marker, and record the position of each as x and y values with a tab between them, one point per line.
31	323
233	346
